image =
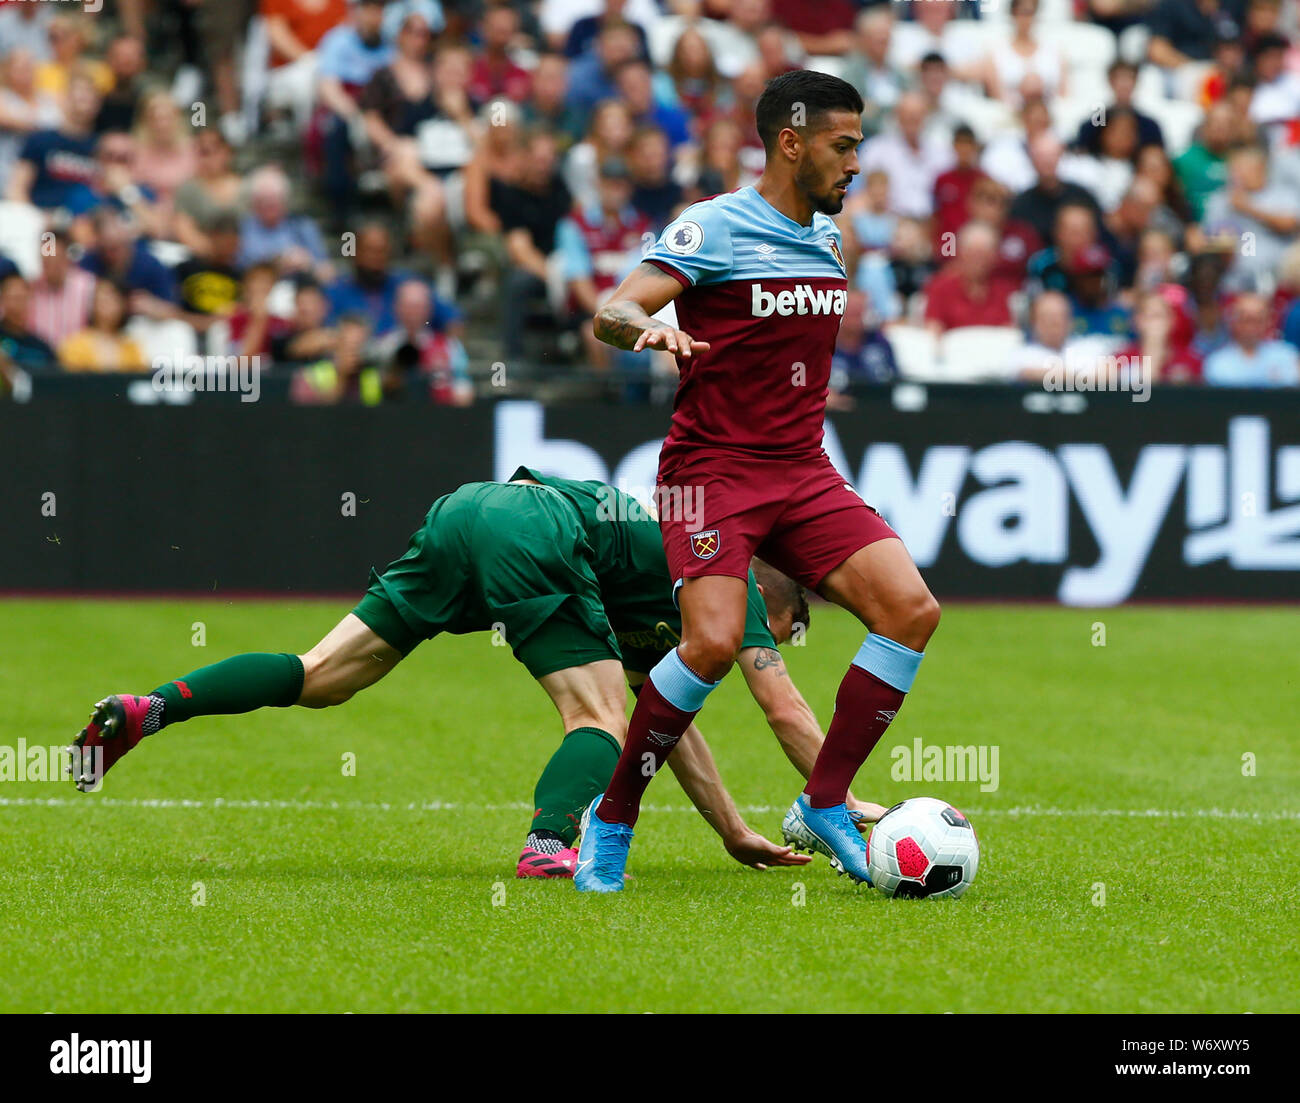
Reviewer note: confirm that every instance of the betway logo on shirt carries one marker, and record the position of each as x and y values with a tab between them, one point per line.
799	299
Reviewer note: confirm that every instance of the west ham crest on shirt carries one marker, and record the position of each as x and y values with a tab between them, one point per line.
835	252
705	544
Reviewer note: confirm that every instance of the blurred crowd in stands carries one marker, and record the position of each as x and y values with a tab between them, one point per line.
430	198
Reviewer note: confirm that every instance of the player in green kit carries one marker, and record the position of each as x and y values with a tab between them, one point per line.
562	570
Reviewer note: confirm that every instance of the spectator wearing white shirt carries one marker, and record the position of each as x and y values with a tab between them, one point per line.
1276	99
1050	347
912	158
1022	66
1109	172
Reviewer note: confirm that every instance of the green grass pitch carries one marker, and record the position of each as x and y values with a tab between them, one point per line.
1162	769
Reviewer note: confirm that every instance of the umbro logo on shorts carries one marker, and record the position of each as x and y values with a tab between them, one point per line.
705	544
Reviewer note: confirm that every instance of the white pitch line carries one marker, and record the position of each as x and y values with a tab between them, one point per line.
218	803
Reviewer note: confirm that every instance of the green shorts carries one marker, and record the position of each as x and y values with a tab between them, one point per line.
496	557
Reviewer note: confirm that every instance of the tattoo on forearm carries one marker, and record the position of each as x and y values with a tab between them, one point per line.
621	323
769	656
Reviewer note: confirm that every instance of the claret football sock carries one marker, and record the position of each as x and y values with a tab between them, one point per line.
573	778
240	684
665	707
869	697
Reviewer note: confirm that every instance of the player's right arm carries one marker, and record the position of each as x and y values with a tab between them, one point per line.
693	765
694	248
625	320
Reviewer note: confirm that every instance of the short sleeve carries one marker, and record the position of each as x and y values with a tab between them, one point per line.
1289	364
329	52
696	246
33	147
1163	20
575	258
757	633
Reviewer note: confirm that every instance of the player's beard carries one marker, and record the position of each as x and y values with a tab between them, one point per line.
807	178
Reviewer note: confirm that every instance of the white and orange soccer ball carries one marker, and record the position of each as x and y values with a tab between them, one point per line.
923	847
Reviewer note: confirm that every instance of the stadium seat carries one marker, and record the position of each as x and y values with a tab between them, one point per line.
1089	82
662	36
826	63
280	300
970	353
168	340
253	72
21	226
1049	11
170	253
1081	44
1150	83
1177	118
988	118
915	350
962	37
1188	79
216	341
1069	112
1133	42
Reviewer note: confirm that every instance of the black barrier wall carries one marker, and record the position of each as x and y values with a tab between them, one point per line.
1086	499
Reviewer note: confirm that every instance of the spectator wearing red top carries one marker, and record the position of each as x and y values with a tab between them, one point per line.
253	327
989	202
598	245
294	29
494	72
952	190
1163	347
824	27
965	293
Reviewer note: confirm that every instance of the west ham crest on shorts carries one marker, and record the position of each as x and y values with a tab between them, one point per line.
705	544
835	252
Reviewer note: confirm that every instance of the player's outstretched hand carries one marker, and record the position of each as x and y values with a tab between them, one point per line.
864	813
751	849
676	341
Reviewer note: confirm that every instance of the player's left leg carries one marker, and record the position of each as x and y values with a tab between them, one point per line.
881	585
832	541
591	700
351	657
535	580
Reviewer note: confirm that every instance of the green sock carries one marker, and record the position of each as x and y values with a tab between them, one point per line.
239	684
575	776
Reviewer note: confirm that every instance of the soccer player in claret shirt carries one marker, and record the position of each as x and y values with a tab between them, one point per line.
758	281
